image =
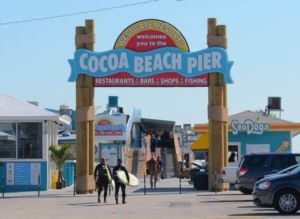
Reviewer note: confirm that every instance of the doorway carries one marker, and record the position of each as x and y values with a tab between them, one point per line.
234	154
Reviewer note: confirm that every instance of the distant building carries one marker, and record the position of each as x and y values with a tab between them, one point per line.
187	137
251	132
68	114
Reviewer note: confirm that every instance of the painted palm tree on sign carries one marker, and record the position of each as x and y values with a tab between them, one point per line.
59	154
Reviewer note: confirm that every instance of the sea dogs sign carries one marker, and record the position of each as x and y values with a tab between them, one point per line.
249	127
151	53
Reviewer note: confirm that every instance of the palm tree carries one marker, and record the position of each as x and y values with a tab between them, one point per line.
59	154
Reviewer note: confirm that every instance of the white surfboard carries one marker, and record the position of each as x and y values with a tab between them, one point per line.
112	184
133	181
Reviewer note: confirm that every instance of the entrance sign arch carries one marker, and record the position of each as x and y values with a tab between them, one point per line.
149	53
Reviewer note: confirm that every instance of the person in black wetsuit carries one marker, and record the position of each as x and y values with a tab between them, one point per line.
102	176
118	183
153	144
160	170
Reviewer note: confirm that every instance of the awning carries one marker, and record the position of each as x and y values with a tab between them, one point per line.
202	143
157	126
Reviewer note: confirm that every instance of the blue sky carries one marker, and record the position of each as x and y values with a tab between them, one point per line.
263	42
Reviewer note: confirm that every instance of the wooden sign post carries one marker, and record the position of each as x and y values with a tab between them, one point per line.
85	116
217	111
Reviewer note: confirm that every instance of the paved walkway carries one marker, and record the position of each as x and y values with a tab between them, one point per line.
165	201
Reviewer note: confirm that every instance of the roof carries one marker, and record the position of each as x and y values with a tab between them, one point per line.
12	109
275	124
202	143
256	117
67	139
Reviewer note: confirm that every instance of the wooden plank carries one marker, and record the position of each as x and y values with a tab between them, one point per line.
85	129
89	29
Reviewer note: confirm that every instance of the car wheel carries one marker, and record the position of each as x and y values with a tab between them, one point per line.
246	191
287	202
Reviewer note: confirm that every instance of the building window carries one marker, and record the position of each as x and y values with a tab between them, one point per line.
21	140
8	140
29	140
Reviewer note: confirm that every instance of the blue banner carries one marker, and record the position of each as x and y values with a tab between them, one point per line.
146	64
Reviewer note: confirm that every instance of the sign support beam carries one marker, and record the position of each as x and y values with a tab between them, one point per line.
85	116
217	102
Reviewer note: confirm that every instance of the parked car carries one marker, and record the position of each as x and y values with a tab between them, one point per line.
229	175
284	171
281	191
255	166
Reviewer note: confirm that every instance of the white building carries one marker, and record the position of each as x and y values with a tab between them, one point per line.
26	132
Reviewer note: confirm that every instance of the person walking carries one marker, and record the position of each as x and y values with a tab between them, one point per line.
153	144
102	176
152	167
160	170
118	183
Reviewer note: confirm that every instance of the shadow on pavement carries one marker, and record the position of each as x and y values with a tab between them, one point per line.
164	190
263	215
227	201
93	204
222	194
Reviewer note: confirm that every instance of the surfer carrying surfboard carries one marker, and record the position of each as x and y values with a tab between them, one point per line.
118	182
102	176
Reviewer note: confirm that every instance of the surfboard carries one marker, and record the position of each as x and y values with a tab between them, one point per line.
112	184
133	181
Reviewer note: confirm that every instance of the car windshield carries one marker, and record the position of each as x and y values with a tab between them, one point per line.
289	169
294	171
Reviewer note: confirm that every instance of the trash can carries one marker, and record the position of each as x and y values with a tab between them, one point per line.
54	178
201	180
193	172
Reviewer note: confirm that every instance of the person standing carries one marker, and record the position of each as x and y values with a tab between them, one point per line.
102	176
144	143
152	167
153	144
118	183
165	138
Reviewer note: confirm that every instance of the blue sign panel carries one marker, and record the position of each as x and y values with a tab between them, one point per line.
22	173
150	63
